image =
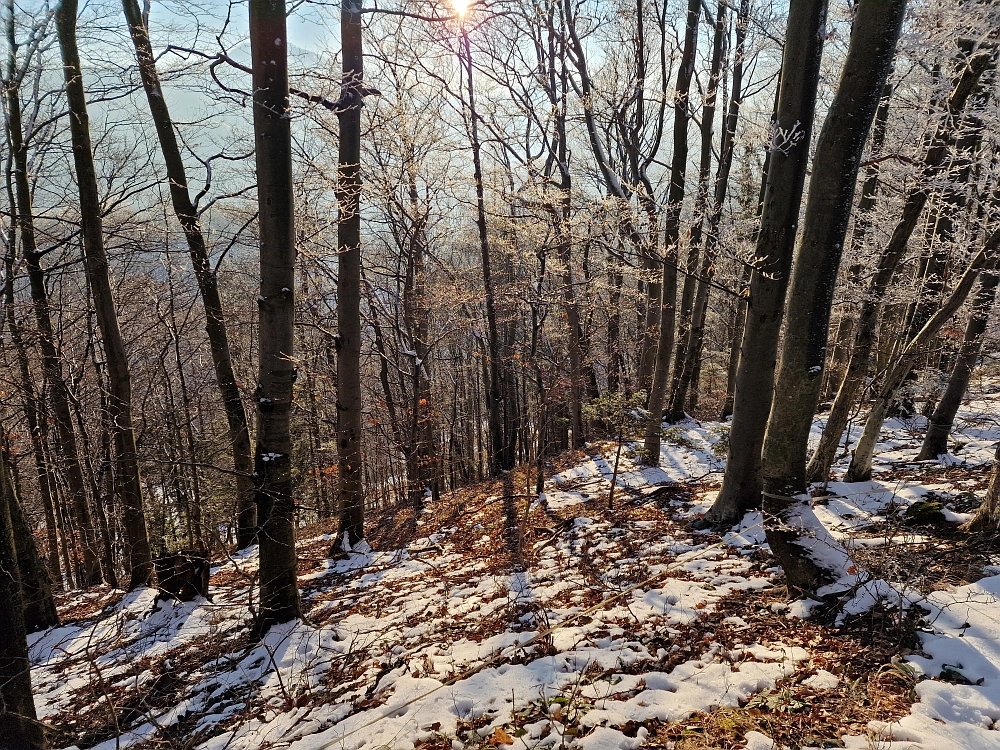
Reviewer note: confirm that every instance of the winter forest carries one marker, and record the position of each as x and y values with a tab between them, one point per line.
472	374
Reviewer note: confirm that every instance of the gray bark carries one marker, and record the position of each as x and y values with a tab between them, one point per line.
741	487
279	594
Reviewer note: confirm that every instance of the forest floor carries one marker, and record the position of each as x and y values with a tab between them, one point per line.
594	627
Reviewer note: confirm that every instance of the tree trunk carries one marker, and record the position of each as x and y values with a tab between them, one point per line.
939	427
876	30
351	500
864	337
699	268
19	729
138	558
208	285
987	516
686	389
860	469
671	237
279	594
36	588
741	487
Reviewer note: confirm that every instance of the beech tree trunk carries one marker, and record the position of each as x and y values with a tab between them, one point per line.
208	285
352	501
876	31
791	131
19	729
864	337
942	420
671	237
139	561
279	594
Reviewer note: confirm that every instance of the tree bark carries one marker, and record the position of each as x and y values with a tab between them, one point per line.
208	285
279	594
19	729
835	168
137	553
941	421
877	26
352	500
671	237
860	469
864	337
686	390
36	588
741	487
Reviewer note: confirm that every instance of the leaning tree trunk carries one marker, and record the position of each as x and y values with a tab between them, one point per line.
939	427
864	337
208	284
19	729
877	27
741	485
279	594
671	237
860	469
138	557
351	499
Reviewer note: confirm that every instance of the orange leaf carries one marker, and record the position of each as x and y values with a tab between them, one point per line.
500	737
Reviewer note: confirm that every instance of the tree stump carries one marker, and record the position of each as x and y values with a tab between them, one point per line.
182	576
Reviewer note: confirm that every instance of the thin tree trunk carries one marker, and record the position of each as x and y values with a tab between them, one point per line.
686	388
841	144
279	594
860	469
864	337
698	263
137	553
208	285
941	421
671	237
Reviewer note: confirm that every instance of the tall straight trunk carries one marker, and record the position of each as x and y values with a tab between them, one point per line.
208	285
689	357
279	594
499	398
791	131
841	143
695	262
671	237
137	553
864	337
860	469
828	211
941	421
351	493
19	729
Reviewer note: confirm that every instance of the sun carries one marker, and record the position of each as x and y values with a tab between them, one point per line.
461	7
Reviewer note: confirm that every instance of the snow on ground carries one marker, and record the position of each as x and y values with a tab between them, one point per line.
595	625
